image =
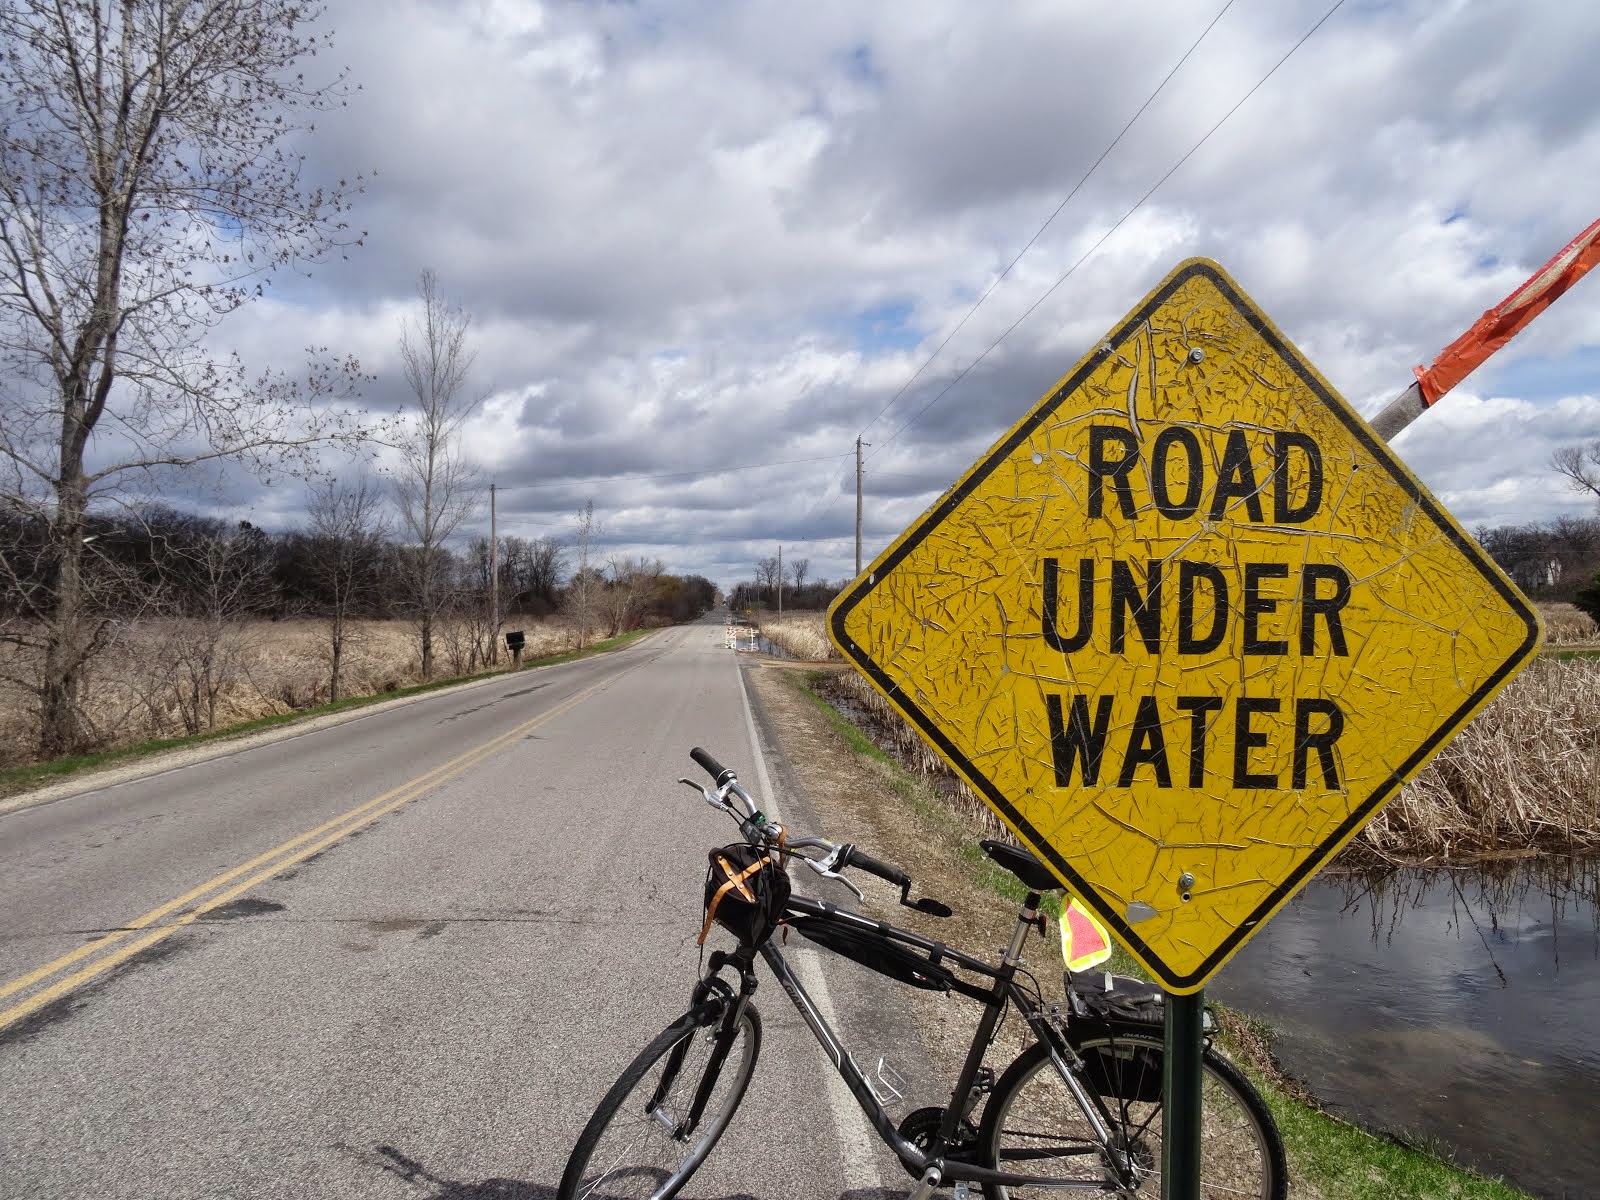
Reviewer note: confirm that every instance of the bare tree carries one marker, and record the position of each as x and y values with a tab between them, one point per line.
588	584
767	576
530	572
433	486
148	188
1581	466
633	581
799	568
546	562
206	594
347	536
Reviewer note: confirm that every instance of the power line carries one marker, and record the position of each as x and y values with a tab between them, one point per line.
1038	233
1103	237
785	462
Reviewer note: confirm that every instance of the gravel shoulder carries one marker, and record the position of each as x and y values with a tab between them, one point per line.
854	800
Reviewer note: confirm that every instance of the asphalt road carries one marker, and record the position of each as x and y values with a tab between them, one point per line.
400	957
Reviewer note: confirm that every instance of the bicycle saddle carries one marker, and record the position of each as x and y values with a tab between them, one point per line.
1022	864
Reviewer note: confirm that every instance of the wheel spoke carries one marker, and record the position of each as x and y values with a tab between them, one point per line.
1034	1126
629	1147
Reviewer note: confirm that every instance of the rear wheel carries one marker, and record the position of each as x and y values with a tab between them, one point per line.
636	1144
1033	1126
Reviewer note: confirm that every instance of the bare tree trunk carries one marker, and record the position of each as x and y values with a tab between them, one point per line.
338	659
60	730
433	491
346	535
428	609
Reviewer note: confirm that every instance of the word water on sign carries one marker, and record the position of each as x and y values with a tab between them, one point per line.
1187	626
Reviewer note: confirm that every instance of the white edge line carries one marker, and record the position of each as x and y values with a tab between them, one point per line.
861	1169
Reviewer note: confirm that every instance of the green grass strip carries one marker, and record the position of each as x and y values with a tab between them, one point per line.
14	780
1340	1160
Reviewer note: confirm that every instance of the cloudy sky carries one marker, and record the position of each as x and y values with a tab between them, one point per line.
706	245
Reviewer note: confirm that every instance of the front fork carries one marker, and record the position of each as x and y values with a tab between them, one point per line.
713	995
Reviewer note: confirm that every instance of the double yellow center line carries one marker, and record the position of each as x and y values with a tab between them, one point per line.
116	947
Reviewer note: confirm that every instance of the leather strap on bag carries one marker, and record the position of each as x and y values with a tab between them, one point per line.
733	881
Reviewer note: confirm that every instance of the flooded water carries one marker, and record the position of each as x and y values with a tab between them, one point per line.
750	642
1454	1008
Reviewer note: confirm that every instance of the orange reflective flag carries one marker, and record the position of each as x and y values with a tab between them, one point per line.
1503	322
1084	941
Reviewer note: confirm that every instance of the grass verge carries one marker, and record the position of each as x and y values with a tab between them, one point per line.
1328	1157
14	780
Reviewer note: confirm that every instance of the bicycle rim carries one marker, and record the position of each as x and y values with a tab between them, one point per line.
631	1152
1033	1126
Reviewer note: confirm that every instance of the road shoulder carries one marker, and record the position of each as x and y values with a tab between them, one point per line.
828	788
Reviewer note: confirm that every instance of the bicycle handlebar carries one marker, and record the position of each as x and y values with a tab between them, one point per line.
759	831
873	866
713	768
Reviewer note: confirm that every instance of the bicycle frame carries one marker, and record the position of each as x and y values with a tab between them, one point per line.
994	997
932	1171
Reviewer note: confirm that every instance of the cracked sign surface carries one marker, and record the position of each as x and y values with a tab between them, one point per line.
1187	626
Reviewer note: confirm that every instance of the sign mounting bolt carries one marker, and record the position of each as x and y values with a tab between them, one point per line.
1197	355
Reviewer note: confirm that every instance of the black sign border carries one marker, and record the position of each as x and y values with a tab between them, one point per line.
1003	451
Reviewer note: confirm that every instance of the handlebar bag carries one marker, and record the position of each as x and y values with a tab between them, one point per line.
746	890
885	957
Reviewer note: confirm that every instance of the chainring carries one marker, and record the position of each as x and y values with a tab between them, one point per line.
921	1126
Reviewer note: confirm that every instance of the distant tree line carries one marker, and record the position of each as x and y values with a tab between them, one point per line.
176	560
1552	561
190	583
800	591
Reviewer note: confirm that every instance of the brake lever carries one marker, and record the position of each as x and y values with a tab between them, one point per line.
826	866
706	794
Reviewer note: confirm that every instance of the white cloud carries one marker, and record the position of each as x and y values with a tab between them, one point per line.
671	223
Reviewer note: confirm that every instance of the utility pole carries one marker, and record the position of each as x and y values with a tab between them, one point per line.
780	581
494	584
859	444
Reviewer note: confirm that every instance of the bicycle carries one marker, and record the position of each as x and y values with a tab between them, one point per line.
1078	1109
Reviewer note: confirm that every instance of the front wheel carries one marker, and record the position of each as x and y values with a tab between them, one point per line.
1033	1126
642	1142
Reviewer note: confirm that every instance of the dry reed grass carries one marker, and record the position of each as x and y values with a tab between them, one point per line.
804	635
1568	625
1524	774
141	687
851	693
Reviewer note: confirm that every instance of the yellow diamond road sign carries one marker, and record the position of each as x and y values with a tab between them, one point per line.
1187	626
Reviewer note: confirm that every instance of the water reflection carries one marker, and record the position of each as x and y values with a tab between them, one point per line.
748	641
1446	1006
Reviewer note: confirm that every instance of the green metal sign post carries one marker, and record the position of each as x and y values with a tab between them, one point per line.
1180	1096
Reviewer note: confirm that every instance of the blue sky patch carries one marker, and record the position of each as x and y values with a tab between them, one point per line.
885	328
1541	377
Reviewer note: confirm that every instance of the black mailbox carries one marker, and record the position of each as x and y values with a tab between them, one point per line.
514	640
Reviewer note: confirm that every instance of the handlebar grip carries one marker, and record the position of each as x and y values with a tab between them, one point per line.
713	768
872	866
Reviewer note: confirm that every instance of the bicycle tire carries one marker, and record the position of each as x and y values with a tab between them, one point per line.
637	1151
1031	1119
